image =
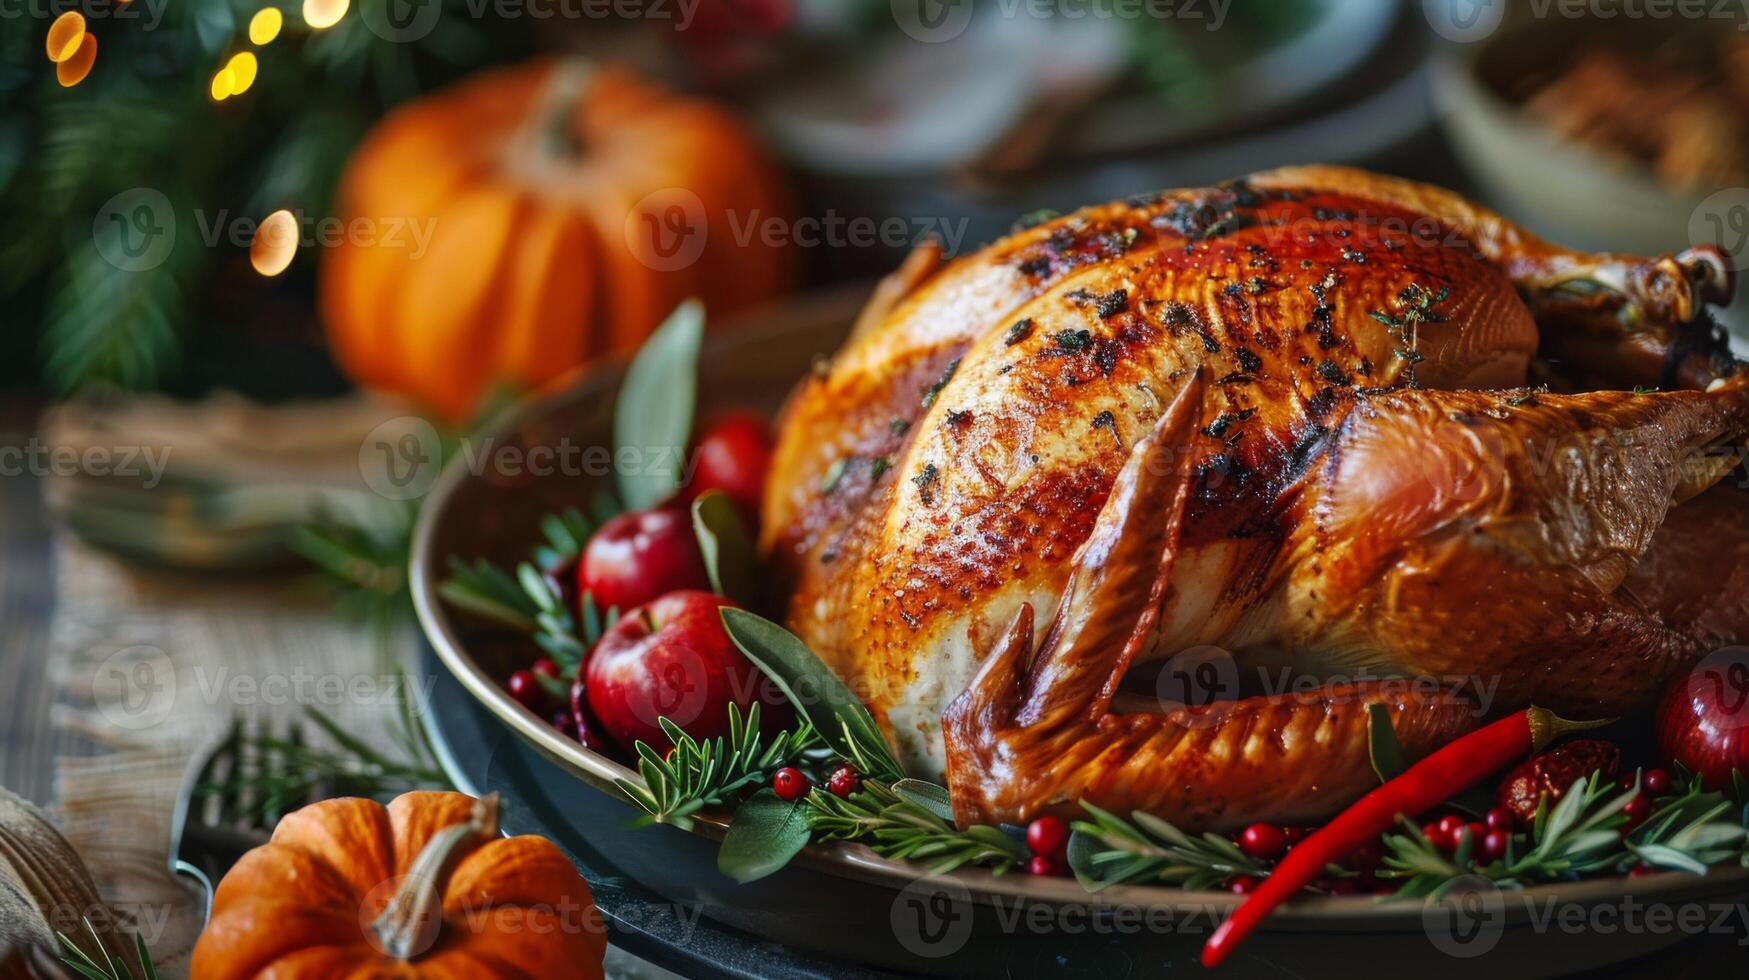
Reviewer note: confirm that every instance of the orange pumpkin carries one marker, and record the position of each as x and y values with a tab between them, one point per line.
425	887
532	218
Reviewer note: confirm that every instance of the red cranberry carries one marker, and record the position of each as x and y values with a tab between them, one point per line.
733	455
526	690
1436	836
1451	825
790	784
1501	819
1242	885
1263	841
845	781
545	667
1641	870
1047	837
1656	782
1043	866
1636	810
1494	844
1476	832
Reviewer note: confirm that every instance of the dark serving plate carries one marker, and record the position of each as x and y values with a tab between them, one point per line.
840	908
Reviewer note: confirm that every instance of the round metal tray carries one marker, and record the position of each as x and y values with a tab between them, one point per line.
842	902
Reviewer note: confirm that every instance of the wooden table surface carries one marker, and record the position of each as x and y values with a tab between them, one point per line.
27	576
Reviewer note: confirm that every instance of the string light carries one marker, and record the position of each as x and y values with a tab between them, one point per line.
323	14
224	82
275	243
73	70
265	25
242	68
66	36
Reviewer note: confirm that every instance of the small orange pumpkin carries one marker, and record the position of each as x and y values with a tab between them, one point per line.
532	218
424	887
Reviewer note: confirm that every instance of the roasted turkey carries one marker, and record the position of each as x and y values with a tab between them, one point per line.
1148	505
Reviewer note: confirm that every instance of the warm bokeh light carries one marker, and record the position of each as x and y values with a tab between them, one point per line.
224	82
265	25
66	35
242	67
320	14
73	70
274	244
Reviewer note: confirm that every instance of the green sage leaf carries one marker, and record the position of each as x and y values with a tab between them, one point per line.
653	413
1382	745
815	691
766	833
927	795
727	548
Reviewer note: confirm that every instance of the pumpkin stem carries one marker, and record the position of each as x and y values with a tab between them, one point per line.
409	923
554	119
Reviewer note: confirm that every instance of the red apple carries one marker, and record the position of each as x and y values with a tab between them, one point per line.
733	456
1703	718
640	555
673	659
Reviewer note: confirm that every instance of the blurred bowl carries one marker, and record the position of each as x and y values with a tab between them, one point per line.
1564	190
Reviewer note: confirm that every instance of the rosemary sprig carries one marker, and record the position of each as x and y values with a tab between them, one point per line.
902	828
113	966
1108	850
352	768
695	774
531	600
1581	836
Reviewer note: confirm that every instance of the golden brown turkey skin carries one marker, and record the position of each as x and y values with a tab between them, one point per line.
950	468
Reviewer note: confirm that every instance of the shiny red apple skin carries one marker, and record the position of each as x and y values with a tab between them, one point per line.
672	658
640	555
1703	717
733	455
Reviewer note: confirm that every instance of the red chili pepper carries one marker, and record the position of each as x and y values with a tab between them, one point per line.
1424	785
